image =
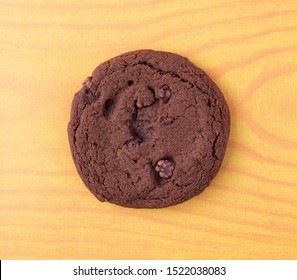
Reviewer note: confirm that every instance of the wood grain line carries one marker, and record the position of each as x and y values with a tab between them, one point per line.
220	70
238	39
252	89
259	178
196	28
35	172
151	21
89	6
243	149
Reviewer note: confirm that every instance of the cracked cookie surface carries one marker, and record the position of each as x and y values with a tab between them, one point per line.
148	129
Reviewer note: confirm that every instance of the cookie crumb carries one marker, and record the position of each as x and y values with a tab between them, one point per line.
165	168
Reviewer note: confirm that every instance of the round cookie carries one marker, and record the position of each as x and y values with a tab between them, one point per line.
148	129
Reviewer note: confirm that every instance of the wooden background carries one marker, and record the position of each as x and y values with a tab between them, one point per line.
47	48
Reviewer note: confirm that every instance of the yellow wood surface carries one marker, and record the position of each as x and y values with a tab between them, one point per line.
47	48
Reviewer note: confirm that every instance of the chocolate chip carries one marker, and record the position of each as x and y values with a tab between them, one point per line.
145	97
133	143
130	143
130	83
165	168
165	93
167	120
87	83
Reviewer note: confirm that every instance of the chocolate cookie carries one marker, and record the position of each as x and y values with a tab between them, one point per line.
148	129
